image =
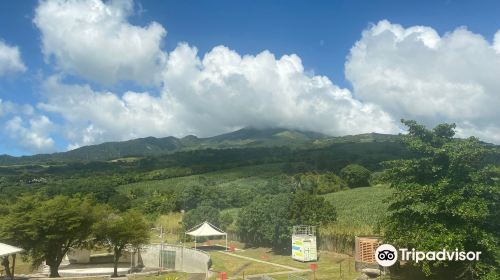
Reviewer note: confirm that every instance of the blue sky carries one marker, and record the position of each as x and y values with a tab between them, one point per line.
163	100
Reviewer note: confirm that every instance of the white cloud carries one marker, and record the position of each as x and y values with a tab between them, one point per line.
225	90
33	135
10	60
219	93
415	73
8	107
93	117
94	40
496	42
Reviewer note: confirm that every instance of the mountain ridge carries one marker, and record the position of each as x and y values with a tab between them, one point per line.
152	146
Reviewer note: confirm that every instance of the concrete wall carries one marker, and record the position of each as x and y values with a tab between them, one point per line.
78	256
186	259
83	256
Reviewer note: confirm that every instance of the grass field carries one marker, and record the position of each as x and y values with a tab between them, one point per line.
359	210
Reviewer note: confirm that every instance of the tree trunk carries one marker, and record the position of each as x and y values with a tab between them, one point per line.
54	270
6	264
117	255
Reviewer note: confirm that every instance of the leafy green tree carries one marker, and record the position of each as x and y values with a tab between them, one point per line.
119	201
199	215
47	229
226	219
118	230
355	175
446	196
192	196
308	209
319	183
159	204
268	220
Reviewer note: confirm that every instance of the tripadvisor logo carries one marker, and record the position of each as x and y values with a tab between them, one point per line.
387	255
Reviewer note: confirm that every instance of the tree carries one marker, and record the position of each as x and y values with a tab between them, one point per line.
118	230
355	175
199	215
47	229
319	183
159	204
307	209
226	219
192	196
268	220
446	196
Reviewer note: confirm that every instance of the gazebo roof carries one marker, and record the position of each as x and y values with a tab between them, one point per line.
7	250
205	229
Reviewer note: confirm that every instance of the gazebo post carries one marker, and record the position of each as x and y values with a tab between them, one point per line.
13	265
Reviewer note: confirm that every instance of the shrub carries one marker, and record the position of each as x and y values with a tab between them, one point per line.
355	175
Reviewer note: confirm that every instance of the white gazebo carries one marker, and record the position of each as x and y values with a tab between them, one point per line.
206	229
6	251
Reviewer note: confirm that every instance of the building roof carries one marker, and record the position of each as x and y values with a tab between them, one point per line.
205	229
7	250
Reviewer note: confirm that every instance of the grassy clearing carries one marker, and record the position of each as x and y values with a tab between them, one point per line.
235	266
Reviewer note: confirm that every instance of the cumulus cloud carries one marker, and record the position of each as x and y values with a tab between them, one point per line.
33	134
225	90
10	59
220	92
416	73
93	117
94	40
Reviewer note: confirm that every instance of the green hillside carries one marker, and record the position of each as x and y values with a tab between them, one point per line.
150	146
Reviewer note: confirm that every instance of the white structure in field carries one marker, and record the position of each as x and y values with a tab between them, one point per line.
304	243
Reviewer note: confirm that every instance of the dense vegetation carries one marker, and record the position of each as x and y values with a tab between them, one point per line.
446	196
254	183
268	220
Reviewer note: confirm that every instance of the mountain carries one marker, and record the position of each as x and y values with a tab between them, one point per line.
151	146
